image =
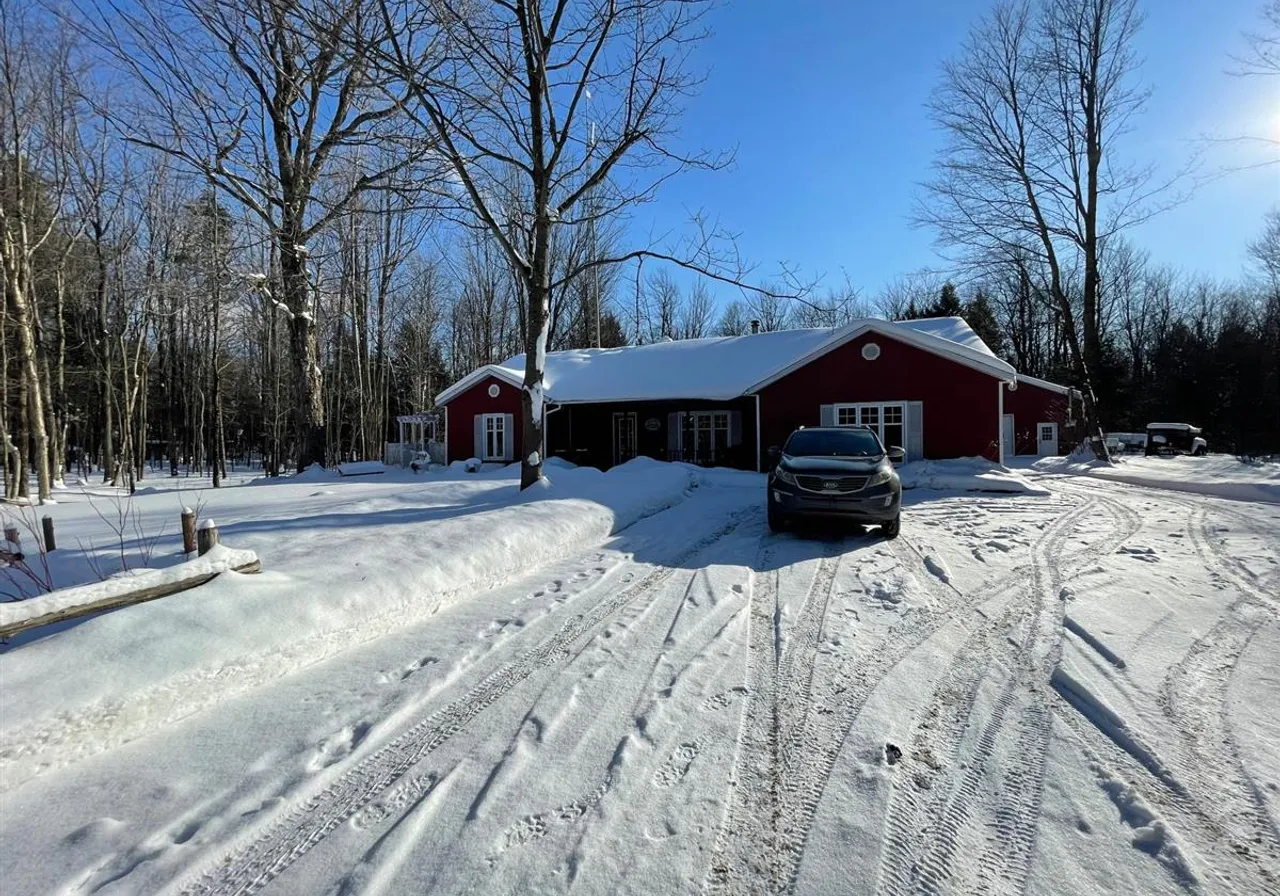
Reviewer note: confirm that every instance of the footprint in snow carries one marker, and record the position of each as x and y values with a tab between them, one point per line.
1140	553
337	746
677	765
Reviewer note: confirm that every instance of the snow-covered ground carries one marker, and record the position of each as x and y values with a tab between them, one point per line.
1221	475
1066	692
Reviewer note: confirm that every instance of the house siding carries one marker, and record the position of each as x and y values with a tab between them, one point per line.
1030	405
463	409
960	404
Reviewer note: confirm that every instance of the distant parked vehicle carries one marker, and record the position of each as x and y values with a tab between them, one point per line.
1175	438
835	472
1126	442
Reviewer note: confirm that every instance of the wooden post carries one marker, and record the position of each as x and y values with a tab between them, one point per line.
50	543
11	536
188	531
206	536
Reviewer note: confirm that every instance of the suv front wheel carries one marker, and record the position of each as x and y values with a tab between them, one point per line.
777	522
890	529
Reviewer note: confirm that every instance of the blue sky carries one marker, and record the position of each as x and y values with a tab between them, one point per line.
824	101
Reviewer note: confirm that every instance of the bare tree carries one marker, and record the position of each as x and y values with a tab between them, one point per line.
259	97
909	291
695	316
837	306
1265	252
663	306
1262	57
539	106
734	320
38	117
1032	109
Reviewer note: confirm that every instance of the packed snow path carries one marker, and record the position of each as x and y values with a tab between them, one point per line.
1060	694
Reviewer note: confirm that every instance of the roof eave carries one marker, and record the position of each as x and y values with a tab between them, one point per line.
933	344
474	377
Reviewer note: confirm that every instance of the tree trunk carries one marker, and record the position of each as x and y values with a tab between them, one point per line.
308	406
29	373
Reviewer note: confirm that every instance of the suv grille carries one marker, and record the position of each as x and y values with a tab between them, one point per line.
832	484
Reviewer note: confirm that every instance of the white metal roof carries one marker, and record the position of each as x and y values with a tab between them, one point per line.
1045	384
723	367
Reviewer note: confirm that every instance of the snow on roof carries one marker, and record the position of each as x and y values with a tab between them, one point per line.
952	329
724	367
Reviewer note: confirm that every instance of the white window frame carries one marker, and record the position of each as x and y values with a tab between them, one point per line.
856	408
704	425
491	424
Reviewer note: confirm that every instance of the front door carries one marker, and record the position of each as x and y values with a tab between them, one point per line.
1046	439
624	437
1007	447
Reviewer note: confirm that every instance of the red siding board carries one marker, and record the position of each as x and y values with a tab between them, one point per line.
476	400
1031	405
960	404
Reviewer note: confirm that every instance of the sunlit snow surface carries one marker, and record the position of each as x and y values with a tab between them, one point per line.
437	686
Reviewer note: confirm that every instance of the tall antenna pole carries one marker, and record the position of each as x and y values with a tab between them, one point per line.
591	225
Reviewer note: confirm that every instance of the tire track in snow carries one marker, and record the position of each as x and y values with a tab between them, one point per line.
1204	800
376	787
777	809
751	817
754	834
1193	696
945	805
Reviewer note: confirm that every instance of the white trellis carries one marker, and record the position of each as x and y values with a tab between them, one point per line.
418	441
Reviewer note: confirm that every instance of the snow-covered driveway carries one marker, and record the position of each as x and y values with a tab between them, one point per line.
1062	694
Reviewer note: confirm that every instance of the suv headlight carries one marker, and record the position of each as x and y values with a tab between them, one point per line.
880	477
782	475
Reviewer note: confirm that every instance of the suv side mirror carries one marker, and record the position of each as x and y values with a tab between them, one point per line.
774	453
896	455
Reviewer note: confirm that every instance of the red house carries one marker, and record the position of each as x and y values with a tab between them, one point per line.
930	386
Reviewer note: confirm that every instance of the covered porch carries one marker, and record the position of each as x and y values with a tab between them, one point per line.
605	434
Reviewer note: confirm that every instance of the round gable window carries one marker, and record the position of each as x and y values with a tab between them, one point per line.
871	351
494	390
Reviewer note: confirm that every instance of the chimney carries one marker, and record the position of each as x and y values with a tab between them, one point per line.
755	326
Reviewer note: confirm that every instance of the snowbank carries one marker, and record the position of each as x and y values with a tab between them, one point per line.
1221	475
341	579
219	559
362	468
969	474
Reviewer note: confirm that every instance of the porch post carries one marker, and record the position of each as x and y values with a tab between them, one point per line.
1000	421
759	456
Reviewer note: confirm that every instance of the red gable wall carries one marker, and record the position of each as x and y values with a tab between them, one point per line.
961	405
1030	405
463	409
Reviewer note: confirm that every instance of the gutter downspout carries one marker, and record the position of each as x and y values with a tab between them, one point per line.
547	411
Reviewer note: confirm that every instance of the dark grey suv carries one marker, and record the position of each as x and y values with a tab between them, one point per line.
840	472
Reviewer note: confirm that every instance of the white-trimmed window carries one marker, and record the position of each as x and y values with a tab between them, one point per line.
706	435
887	419
494	427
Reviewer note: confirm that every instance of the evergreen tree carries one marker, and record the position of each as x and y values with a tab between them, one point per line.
982	319
948	304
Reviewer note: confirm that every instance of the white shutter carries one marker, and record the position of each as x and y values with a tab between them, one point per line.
508	436
735	428
673	435
479	440
827	415
915	430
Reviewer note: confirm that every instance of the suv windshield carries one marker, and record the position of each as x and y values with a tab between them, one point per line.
833	443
